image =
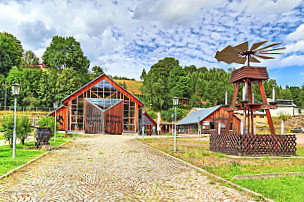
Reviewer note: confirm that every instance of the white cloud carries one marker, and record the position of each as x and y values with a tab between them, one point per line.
297	35
295	47
127	36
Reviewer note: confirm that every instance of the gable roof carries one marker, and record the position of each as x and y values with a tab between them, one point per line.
107	103
53	112
148	118
192	118
96	81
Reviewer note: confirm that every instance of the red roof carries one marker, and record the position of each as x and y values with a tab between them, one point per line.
96	81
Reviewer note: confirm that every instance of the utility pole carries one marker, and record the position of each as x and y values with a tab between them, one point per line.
5	95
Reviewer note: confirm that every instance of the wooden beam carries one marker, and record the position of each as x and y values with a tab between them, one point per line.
235	94
270	123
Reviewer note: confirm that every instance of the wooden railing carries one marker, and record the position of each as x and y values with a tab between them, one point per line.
236	144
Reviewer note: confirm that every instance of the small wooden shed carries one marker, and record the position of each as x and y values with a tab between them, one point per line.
208	120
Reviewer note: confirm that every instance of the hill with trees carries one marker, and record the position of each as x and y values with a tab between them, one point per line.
68	69
202	87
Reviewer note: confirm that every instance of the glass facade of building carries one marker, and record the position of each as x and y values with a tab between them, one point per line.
106	93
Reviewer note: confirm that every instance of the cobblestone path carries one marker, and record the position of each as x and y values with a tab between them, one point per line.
111	168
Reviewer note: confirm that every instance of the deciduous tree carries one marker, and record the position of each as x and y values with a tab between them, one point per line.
10	52
65	52
29	58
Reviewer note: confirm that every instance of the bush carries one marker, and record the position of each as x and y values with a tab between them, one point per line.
7	129
152	114
23	128
48	122
167	115
284	117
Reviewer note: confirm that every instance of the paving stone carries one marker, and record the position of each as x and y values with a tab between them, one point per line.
112	168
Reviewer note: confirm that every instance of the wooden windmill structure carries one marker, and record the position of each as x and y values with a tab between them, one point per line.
249	75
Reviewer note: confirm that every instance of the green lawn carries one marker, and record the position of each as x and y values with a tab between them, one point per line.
62	136
280	189
196	151
24	153
7	163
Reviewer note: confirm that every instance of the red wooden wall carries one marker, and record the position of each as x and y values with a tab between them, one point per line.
61	116
221	115
93	118
113	118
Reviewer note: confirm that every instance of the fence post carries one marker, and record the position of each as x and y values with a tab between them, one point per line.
219	128
242	127
240	145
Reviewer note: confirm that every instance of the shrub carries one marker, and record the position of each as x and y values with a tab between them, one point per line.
48	122
152	114
23	128
166	115
7	129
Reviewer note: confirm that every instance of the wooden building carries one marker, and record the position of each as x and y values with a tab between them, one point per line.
208	120
101	106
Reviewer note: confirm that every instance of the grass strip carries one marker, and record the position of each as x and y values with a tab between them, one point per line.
24	154
196	151
289	188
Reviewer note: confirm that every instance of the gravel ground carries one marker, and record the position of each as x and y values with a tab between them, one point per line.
111	168
300	138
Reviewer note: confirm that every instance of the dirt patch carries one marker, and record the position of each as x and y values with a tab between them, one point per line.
295	121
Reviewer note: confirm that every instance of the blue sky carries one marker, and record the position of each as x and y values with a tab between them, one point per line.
126	36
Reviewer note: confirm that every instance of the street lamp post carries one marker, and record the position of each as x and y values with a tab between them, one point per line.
55	105
172	116
142	123
15	91
175	103
198	126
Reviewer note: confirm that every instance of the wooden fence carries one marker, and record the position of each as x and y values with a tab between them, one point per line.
236	144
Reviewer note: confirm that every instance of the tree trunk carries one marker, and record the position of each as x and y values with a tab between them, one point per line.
10	143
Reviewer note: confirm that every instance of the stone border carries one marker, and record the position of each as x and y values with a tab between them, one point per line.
266	175
29	162
209	174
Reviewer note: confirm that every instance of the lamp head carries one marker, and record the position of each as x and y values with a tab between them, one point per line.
175	101
16	89
55	105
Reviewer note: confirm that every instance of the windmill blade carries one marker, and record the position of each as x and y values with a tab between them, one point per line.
269	53
253	59
281	48
241	60
229	60
229	54
242	47
274	44
264	57
257	44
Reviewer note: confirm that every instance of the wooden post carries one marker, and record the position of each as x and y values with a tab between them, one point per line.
270	123
236	90
251	101
244	126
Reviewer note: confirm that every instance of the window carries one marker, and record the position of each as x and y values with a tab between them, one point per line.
212	125
261	116
231	126
223	126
